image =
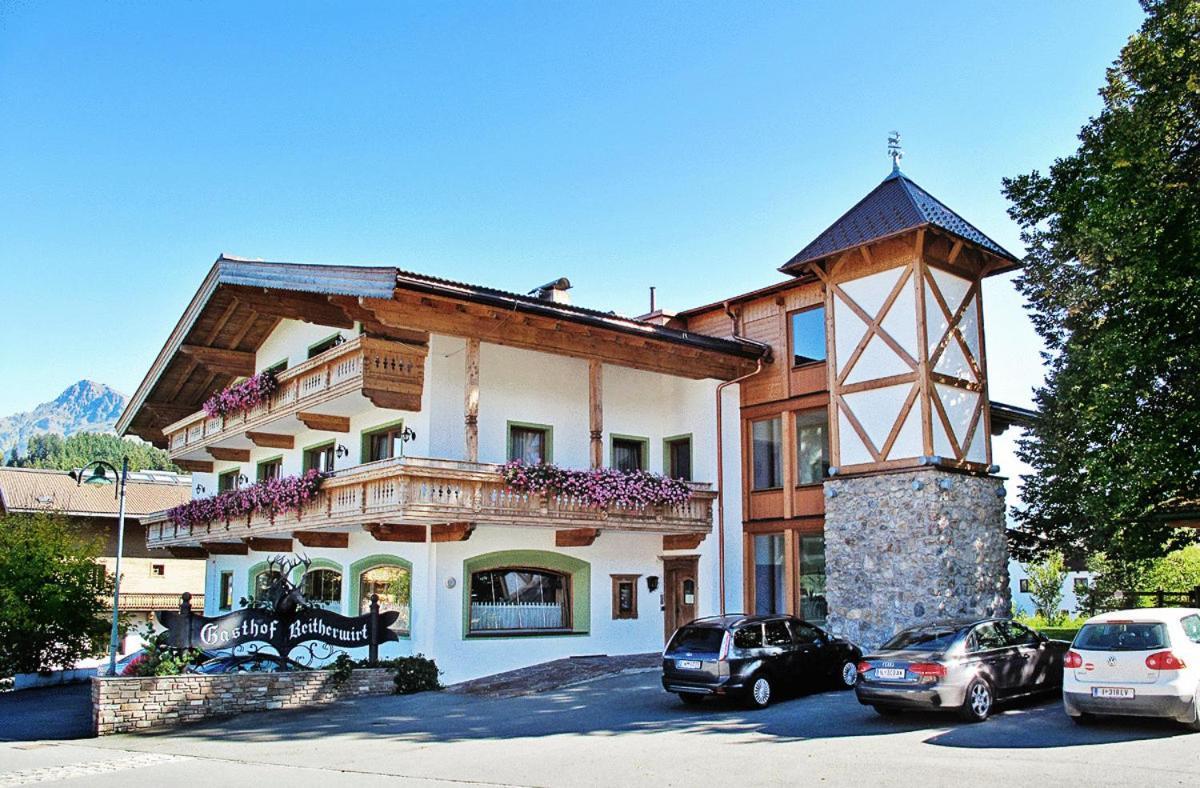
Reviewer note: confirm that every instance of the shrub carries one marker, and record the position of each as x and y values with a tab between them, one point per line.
414	674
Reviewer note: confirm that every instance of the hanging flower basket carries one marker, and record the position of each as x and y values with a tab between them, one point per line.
250	393
602	488
287	494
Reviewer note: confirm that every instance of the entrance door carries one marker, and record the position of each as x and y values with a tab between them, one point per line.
680	591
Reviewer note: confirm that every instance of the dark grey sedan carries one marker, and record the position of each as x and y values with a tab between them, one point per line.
962	666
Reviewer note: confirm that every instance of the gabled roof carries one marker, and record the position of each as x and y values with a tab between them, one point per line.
42	490
895	206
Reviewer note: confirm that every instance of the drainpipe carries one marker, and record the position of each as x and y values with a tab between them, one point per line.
766	352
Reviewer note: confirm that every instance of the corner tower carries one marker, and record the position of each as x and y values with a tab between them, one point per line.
914	522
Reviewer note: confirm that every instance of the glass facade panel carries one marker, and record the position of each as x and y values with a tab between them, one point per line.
766	437
812	446
768	574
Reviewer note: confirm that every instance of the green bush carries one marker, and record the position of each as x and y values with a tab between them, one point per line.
413	674
1063	629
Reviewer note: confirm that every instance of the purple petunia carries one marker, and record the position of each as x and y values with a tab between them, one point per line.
276	496
602	488
245	395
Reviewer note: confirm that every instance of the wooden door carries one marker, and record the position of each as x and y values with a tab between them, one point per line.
680	591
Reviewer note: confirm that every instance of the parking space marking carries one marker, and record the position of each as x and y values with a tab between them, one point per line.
51	774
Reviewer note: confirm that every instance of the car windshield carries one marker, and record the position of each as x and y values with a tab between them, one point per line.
697	639
1122	636
923	639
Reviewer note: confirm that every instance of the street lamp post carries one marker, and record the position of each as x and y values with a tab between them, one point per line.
99	476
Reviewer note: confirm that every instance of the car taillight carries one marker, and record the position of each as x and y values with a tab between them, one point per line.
1072	660
864	666
1164	660
931	670
724	653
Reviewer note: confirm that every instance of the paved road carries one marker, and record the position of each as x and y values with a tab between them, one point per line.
621	731
63	712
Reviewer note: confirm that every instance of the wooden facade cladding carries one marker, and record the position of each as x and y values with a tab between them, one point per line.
416	491
390	374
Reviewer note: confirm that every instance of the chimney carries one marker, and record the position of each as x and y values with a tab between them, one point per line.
555	291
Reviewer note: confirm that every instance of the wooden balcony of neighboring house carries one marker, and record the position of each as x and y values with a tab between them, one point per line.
137	602
320	393
396	499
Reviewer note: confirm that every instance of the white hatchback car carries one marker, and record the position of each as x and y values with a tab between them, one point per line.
1142	663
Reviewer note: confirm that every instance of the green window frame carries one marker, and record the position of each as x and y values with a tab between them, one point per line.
643	449
312	452
368	436
373	562
547	438
228	480
578	572
669	468
277	367
328	343
262	469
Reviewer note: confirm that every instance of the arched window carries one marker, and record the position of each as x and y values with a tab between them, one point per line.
393	585
518	599
323	588
260	582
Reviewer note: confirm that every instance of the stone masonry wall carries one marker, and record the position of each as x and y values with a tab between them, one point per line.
898	556
122	704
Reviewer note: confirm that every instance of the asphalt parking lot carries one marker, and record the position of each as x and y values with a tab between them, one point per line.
620	731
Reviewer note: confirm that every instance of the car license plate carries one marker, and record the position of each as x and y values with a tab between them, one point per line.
687	664
1112	692
889	673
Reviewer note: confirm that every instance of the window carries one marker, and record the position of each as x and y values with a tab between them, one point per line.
270	469
262	582
808	336
777	634
393	586
812	446
325	344
277	367
624	601
1081	585
228	480
748	637
813	606
1017	635
1191	627
383	443
766	439
677	456
803	634
225	591
629	454
519	599
768	574
986	636
1118	636
1024	585
319	458
323	588
99	573
158	570
530	443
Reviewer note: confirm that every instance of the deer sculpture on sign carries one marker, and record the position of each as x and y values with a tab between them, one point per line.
282	595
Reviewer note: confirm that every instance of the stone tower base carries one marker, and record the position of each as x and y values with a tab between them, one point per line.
897	555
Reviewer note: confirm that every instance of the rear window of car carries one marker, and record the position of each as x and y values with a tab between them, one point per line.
698	639
928	639
1122	636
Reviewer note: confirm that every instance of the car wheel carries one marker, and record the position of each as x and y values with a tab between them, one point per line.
759	694
887	711
691	698
978	703
847	675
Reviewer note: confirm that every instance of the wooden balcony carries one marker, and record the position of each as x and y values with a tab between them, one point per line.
329	386
417	491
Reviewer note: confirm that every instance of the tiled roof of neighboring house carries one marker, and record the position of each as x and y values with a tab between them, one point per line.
894	206
37	490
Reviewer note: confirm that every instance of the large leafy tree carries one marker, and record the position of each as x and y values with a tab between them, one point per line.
1112	277
52	606
54	451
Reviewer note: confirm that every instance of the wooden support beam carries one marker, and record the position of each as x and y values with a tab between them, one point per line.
226	548
576	537
229	455
324	423
268	440
195	466
596	412
451	532
391	532
169	413
682	541
322	538
235	362
471	401
264	544
188	552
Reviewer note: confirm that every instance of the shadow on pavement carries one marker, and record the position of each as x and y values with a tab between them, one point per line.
63	712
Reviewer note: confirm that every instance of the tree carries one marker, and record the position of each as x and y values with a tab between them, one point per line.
1045	586
52	598
64	454
1112	279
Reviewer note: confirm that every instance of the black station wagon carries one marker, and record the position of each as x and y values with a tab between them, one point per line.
753	658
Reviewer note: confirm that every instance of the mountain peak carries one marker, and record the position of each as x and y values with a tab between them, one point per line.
85	406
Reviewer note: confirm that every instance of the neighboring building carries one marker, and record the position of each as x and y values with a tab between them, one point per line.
879	325
1074	589
150	579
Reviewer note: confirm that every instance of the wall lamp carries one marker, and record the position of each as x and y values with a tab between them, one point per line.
652	583
200	489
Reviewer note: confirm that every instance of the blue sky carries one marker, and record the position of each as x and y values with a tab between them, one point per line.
694	147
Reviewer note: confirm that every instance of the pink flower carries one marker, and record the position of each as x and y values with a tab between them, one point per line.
601	488
248	394
275	496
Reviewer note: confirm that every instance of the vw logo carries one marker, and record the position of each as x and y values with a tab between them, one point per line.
1112	661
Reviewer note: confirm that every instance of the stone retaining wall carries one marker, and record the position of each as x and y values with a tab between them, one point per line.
122	704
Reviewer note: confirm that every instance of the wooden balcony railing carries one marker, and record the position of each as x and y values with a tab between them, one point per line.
421	491
137	601
390	374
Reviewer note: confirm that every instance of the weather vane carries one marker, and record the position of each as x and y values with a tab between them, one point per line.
894	150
